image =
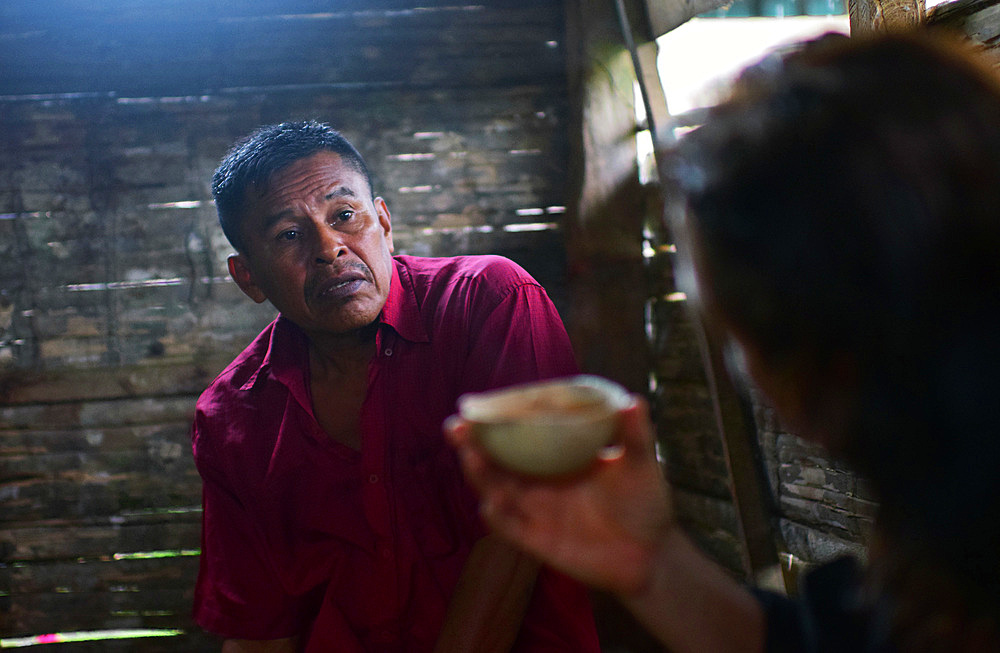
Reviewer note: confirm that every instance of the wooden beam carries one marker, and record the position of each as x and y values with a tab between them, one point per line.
666	15
739	439
979	20
606	212
751	497
870	17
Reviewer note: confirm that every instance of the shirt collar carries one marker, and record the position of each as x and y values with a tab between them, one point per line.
286	356
402	310
288	346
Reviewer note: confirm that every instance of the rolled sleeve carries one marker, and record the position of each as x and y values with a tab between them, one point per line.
237	594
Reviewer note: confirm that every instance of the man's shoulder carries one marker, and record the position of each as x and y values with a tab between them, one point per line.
464	291
242	368
486	271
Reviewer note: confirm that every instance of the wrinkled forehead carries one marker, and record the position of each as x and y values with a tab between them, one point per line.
308	177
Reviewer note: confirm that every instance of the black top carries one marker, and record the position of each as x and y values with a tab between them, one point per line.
826	617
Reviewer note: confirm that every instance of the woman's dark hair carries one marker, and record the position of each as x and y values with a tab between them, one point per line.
846	201
255	159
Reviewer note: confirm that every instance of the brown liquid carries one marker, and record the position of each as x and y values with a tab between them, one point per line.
560	403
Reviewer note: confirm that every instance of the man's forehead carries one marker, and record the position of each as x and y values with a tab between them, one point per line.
321	173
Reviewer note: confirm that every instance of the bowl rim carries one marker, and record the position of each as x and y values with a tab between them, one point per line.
615	396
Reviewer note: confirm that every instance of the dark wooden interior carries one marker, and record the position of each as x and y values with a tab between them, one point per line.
503	127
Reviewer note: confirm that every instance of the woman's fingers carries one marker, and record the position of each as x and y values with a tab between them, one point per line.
457	430
635	432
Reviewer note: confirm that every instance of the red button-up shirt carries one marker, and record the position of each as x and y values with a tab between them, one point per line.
360	550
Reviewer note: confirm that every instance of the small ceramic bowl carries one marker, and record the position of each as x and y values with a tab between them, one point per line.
548	428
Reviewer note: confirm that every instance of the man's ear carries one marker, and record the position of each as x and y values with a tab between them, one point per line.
239	270
384	219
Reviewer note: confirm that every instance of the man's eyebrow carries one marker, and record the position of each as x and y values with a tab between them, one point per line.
339	191
270	220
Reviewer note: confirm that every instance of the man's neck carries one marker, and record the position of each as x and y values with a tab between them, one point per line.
333	356
338	378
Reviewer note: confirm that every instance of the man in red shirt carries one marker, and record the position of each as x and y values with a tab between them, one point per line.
335	515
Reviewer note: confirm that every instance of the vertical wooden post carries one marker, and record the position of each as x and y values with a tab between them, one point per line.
605	212
749	492
879	16
607	206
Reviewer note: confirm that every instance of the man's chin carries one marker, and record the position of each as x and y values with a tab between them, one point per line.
342	322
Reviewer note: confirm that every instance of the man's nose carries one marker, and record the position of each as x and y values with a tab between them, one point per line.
329	244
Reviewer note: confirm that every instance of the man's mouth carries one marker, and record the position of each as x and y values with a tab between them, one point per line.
341	286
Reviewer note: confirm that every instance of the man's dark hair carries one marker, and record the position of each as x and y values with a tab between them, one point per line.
254	160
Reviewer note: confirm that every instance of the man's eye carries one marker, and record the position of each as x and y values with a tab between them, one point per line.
288	234
345	215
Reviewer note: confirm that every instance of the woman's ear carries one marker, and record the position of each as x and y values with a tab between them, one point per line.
239	270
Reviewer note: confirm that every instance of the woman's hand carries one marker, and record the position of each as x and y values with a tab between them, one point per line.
601	526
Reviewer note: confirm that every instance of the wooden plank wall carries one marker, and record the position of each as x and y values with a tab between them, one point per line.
115	310
685	418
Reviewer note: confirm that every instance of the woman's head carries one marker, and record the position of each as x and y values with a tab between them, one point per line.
845	204
844	210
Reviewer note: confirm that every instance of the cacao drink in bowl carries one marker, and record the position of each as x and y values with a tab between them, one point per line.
547	428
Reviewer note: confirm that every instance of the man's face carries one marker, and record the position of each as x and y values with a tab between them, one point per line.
317	246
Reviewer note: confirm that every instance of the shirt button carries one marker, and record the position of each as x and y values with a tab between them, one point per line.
388	352
373	478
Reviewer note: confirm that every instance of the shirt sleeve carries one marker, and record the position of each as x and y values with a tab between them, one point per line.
237	594
522	339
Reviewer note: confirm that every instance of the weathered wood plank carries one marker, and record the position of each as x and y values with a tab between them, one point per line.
92	440
94	414
216	119
114	438
457	68
176	12
94	610
979	20
164	447
116	575
869	17
93	537
190	641
202	54
80	495
157	329
170	9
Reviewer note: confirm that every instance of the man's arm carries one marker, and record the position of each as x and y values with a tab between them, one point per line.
488	605
264	646
232	565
